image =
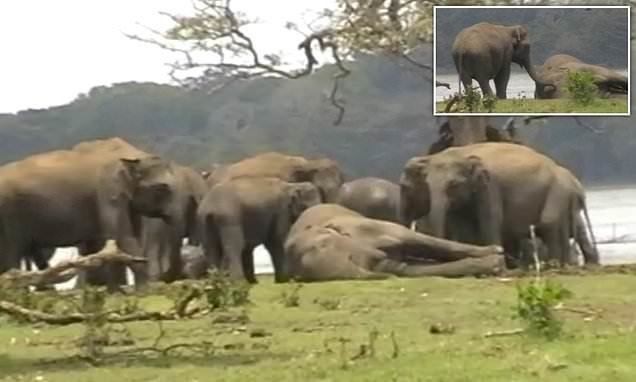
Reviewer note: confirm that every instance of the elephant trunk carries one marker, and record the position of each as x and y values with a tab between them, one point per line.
437	218
527	65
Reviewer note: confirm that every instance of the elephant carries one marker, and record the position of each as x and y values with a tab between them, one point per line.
323	173
555	69
484	51
374	198
504	187
162	241
332	242
195	264
461	131
237	215
68	197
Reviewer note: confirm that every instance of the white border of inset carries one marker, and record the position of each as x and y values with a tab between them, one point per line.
629	57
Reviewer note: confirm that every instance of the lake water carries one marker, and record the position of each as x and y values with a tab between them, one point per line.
612	213
520	85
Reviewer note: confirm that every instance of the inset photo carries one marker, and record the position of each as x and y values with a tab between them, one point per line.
531	60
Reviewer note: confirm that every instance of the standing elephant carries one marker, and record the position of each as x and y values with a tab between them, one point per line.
162	241
331	242
484	52
68	197
374	198
237	215
506	187
324	173
556	68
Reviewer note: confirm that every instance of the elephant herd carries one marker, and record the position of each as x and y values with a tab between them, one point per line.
485	52
473	206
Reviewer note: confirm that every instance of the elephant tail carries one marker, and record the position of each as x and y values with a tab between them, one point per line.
581	205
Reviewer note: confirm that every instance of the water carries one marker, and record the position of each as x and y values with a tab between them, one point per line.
612	213
520	85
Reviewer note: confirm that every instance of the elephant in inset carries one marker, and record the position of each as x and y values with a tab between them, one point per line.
237	215
331	242
374	198
505	187
556	68
68	197
323	173
485	51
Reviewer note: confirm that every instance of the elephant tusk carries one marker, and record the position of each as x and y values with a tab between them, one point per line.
413	225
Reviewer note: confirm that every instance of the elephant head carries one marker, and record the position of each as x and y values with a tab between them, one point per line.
521	54
302	196
151	182
325	174
435	185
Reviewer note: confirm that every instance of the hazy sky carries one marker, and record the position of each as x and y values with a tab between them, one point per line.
56	49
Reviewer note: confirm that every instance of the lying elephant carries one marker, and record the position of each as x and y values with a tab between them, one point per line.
505	187
325	174
237	215
331	242
67	197
374	198
555	70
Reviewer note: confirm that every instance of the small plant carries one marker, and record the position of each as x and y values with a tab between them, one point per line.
92	304
535	305
580	85
220	291
290	296
328	303
472	99
489	103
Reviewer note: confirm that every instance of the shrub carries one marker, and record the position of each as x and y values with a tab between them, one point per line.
580	85
535	305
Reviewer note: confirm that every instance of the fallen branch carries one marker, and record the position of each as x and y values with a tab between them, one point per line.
74	318
64	271
503	333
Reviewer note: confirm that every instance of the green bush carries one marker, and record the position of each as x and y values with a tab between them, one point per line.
580	85
535	305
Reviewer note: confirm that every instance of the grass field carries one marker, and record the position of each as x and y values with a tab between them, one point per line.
601	106
322	341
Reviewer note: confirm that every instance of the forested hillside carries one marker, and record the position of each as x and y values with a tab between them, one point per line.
596	36
388	120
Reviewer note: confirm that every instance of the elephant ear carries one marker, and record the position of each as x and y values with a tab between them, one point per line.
131	166
295	205
416	169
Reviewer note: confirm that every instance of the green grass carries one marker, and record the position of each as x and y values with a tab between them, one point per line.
304	345
609	105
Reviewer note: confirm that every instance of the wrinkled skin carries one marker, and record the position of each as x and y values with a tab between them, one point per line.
331	242
555	70
505	187
238	215
97	191
325	174
485	51
161	241
374	198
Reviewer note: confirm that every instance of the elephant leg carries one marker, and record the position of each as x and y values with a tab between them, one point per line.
484	84
233	244
247	260
175	267
501	82
279	261
211	243
557	240
488	265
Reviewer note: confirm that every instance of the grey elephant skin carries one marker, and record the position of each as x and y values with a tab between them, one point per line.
162	241
238	215
68	197
375	198
331	242
485	51
504	188
555	70
324	173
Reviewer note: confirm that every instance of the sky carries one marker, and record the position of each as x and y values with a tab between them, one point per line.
55	50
